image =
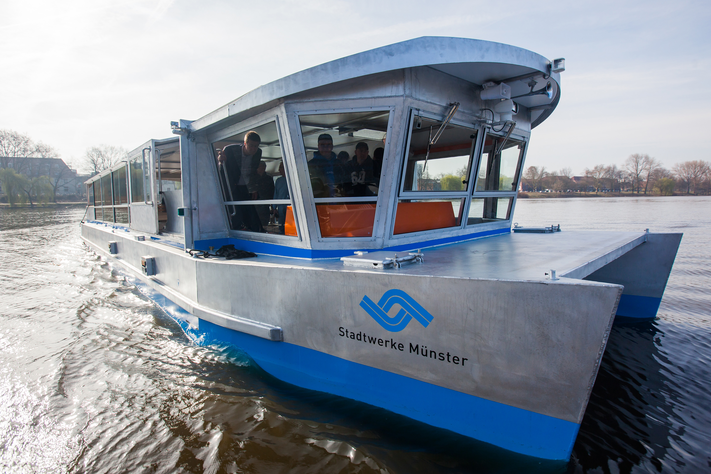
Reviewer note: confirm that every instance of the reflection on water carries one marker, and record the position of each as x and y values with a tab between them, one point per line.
94	378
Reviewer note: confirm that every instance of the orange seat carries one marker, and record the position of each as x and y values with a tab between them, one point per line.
426	215
289	224
339	220
346	220
356	220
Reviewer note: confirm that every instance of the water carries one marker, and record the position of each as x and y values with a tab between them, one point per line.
94	378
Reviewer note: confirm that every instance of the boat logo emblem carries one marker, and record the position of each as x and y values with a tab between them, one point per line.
409	309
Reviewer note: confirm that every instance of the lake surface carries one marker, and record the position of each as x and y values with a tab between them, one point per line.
95	378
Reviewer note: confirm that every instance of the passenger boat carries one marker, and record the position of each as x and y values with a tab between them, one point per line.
392	275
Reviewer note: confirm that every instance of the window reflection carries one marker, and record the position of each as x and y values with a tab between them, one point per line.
108	197
254	182
446	166
106	190
499	165
120	186
434	169
136	172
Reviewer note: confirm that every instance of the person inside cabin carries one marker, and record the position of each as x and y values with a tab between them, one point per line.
327	175
378	162
265	190
240	162
281	191
344	158
360	171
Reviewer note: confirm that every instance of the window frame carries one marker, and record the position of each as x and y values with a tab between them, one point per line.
240	129
524	142
466	194
310	202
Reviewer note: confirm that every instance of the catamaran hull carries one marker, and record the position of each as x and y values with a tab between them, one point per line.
510	363
644	272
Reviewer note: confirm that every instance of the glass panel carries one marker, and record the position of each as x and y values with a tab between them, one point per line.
120	189
499	171
107	214
254	181
489	210
346	219
345	152
345	156
448	162
147	175
106	190
416	215
136	171
170	174
121	215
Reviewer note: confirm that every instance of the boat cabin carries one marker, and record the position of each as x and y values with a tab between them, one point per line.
411	145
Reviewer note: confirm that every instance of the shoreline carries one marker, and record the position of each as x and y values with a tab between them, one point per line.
5	205
557	195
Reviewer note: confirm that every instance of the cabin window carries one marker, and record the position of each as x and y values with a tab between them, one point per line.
90	194
435	178
345	156
499	165
255	188
168	173
497	180
120	187
120	195
91	211
106	190
489	209
136	177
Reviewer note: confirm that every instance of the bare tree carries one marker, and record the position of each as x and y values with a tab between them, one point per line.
99	158
567	172
61	173
614	175
635	166
36	189
45	151
596	174
692	173
534	175
15	147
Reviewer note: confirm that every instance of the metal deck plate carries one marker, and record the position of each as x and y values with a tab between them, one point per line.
382	260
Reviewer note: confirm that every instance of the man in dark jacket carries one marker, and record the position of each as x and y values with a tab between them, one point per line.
360	171
239	164
326	172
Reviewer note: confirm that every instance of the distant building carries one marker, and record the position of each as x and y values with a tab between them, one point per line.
67	181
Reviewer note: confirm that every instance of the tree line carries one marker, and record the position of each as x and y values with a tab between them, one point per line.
21	182
640	174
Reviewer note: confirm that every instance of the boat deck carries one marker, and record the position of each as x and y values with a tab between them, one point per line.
514	256
510	256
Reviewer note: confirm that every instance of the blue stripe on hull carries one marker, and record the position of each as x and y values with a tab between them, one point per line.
638	307
511	428
285	251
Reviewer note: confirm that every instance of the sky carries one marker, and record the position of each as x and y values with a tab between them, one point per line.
81	73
